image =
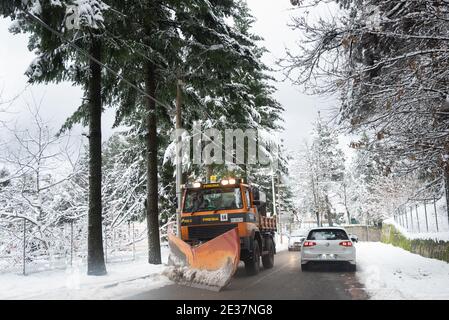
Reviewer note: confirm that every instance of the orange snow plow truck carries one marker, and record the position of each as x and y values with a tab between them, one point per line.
221	224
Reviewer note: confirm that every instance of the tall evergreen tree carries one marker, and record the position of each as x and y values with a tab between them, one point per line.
154	43
58	60
220	64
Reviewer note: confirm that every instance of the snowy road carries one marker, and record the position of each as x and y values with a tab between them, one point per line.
284	281
383	272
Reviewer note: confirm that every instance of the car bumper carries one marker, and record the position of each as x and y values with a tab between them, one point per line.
328	257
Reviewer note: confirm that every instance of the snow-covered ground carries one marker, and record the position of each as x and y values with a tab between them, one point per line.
281	246
442	235
123	279
414	224
387	272
390	272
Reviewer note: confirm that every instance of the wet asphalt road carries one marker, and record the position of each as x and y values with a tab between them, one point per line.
284	281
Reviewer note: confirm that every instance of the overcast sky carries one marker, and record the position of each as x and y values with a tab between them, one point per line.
300	109
61	100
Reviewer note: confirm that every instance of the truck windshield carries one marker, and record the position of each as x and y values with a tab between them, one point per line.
213	199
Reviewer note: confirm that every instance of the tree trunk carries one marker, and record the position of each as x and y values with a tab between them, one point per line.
95	254
154	247
348	215
346	204
246	169
446	187
328	210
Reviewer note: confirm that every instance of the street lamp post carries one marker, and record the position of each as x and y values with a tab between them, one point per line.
178	156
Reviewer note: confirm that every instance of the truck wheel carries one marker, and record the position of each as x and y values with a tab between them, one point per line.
252	265
352	267
268	259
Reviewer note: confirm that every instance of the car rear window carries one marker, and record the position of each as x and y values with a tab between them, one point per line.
328	234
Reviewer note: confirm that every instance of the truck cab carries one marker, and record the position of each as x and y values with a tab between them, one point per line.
211	209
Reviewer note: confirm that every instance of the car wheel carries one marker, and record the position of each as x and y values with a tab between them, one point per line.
304	267
252	265
352	267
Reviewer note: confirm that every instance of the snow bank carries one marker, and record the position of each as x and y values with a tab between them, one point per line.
122	280
443	235
389	272
423	220
281	246
214	280
204	279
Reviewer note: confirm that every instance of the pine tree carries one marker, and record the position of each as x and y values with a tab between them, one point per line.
154	43
57	61
225	80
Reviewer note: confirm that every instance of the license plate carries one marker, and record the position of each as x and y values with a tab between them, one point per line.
327	257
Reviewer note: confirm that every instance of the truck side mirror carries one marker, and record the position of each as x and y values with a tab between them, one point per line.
261	207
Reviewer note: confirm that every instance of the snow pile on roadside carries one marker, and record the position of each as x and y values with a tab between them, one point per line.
437	236
281	246
213	280
123	279
390	272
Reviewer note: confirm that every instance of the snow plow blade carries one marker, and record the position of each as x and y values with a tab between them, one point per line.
210	265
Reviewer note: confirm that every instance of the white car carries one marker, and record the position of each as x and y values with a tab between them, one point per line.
295	242
354	238
328	245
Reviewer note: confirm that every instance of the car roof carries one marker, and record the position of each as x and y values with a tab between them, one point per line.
325	228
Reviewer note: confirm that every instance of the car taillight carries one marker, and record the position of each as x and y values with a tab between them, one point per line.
346	244
309	243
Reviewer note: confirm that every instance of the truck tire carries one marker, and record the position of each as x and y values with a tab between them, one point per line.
252	265
352	267
268	259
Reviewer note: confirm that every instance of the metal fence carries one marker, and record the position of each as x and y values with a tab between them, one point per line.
68	246
418	216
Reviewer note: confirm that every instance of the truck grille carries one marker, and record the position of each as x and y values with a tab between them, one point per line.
208	232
